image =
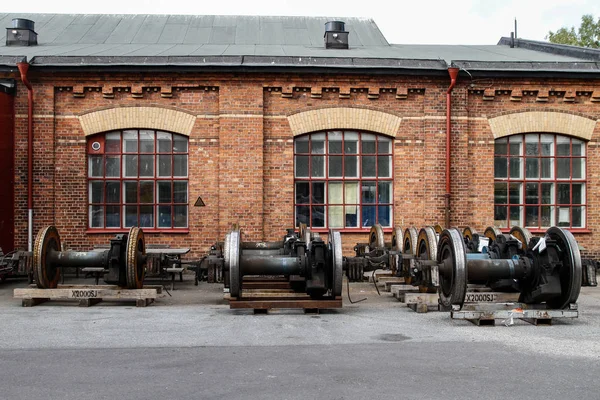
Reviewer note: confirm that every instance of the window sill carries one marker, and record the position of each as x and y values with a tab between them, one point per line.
146	230
350	230
537	231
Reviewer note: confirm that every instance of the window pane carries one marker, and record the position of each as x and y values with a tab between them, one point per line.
531	193
563	168
532	168
318	192
368	193
514	164
164	216
97	192
564	193
384	145
500	167
301	166
317	143
335	166
500	215
515	216
351	166
318	216
578	168
547	145
164	165
383	166
578	193
146	141
368	166
97	216
336	194
130	142
385	192
146	192
302	193
578	217
96	166
578	148
547	194
164	194
112	166
336	216
368	143
181	216
564	216
130	167
112	142
164	142
180	192
113	217
500	193
180	144
131	216
180	165
351	216
301	144
131	192
351	193
384	214
514	192
146	165
317	167
563	145
302	215
335	142
368	216
501	147
531	145
113	192
547	216
514	145
351	143
146	216
531	216
547	168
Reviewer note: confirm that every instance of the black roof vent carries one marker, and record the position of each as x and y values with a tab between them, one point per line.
335	36
21	33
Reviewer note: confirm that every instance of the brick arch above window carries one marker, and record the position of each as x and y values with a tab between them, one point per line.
138	117
344	118
542	121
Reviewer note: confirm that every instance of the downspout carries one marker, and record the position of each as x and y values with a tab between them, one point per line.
23	68
453	76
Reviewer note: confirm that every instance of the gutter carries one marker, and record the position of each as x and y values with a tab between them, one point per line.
453	71
23	68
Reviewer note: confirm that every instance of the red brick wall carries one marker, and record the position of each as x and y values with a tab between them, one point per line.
241	147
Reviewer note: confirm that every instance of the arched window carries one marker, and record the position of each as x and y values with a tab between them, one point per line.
540	181
138	177
343	179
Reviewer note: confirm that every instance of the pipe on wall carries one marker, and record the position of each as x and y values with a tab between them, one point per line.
23	69
453	77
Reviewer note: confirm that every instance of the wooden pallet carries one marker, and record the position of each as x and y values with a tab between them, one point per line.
87	295
488	313
423	302
262	300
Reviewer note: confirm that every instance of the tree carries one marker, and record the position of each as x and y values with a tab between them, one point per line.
587	35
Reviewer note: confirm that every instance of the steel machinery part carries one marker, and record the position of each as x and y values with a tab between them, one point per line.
468	233
301	230
491	232
452	261
376	238
135	262
235	276
396	247
336	254
438	229
522	234
409	248
45	273
426	250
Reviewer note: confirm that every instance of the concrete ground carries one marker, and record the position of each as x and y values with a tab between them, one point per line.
191	345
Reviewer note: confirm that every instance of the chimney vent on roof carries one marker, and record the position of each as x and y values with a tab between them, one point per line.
335	36
21	33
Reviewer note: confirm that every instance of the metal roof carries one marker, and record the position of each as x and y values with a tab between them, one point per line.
71	40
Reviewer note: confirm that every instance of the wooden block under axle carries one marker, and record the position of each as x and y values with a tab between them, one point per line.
286	303
85	295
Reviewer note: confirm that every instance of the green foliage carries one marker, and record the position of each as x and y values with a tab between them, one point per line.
587	35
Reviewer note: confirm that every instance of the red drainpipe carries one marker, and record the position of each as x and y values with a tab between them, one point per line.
453	76
23	68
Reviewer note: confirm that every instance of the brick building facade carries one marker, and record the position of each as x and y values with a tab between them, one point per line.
241	123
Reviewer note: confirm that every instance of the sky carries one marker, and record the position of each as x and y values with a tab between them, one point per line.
401	22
